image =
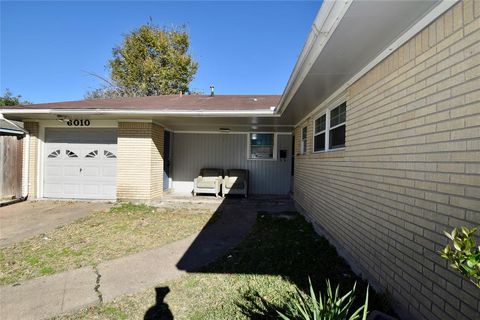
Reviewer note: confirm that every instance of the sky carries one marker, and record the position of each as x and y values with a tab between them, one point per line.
48	48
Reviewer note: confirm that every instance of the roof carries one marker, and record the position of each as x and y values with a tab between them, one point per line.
167	102
8	126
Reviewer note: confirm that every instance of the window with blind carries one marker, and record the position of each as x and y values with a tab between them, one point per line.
262	146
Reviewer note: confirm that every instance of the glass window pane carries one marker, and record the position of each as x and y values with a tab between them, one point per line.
343	112
261	145
304	133
261	139
337	137
338	115
319	142
320	123
261	152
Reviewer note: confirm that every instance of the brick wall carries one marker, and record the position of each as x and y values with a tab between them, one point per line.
33	129
156	166
410	169
139	161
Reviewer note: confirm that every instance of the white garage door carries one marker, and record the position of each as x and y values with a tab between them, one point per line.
80	163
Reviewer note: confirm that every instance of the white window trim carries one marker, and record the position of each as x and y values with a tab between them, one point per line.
327	129
249	156
303	140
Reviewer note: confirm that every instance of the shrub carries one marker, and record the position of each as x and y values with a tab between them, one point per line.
465	254
331	306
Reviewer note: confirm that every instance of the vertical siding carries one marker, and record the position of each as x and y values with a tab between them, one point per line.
192	151
410	169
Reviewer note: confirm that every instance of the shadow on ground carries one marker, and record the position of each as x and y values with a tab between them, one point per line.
159	311
276	241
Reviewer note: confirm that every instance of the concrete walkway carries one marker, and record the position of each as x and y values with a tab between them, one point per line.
22	220
69	291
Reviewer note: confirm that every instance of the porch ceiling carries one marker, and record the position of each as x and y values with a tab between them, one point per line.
366	30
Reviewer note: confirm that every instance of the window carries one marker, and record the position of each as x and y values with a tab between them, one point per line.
71	154
329	129
319	133
54	154
108	154
92	154
337	127
303	144
262	146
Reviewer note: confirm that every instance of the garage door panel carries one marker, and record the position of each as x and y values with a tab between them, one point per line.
76	163
110	172
91	189
109	189
71	188
71	171
55	189
91	171
53	171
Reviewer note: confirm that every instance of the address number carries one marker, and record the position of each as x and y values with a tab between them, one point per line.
78	123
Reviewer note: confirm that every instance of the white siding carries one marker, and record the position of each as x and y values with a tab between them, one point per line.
193	151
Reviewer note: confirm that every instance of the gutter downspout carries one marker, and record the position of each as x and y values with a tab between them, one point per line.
26	167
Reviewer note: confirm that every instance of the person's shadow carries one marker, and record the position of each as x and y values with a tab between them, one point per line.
160	311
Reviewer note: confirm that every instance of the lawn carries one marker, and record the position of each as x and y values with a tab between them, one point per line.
249	282
124	229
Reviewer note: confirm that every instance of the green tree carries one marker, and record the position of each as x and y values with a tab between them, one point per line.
150	61
8	99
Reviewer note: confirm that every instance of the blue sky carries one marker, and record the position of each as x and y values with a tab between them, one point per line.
241	47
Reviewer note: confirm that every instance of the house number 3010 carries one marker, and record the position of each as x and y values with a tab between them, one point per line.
78	123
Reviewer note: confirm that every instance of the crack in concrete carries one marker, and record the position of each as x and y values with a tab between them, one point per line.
97	285
63	294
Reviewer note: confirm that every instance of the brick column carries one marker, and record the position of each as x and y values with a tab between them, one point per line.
33	130
139	161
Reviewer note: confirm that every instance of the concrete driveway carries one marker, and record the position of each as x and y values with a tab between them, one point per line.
25	219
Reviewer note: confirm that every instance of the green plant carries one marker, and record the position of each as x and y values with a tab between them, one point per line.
8	99
465	254
331	306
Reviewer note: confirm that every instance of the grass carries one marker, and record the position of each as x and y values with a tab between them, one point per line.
124	229
251	281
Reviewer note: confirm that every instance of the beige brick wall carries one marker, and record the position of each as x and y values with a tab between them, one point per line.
33	130
139	161
156	167
410	169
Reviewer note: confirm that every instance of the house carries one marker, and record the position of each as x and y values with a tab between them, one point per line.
381	116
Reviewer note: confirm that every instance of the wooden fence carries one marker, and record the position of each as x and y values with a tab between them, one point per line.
11	160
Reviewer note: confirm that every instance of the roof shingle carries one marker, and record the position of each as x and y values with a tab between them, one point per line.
167	102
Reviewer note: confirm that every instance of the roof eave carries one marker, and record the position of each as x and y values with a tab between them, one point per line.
325	23
142	112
